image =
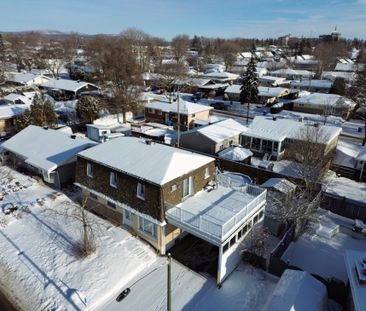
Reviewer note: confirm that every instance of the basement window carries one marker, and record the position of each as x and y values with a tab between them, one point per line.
89	170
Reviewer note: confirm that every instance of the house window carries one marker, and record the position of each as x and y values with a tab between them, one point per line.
256	143
266	146
193	115
244	230
151	110
113	179
141	191
260	215
174	187
239	235
160	112
221	147
89	169
207	172
225	248
232	241
111	204
187	187
275	146
147	227
255	219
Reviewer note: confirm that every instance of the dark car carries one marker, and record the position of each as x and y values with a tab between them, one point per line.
218	106
123	295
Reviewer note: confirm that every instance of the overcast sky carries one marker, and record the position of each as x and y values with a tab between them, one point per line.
167	18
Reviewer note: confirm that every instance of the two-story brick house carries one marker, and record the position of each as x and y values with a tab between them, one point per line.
132	181
162	111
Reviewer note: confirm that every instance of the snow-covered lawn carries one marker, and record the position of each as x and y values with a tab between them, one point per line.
321	249
37	264
246	288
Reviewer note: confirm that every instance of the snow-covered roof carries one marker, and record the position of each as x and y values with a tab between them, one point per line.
45	148
280	184
293	72
347	67
353	260
222	130
347	188
221	75
234	153
154	162
362	155
298	290
7	112
66	85
185	107
321	84
271	79
25	98
279	129
320	99
12	97
332	75
23	77
262	90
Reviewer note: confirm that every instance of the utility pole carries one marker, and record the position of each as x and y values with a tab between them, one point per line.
178	121
169	292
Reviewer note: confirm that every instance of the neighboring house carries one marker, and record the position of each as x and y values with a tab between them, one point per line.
221	77
213	138
266	95
348	67
270	81
298	290
161	111
320	86
271	136
156	191
68	89
332	75
46	152
355	264
192	85
324	104
12	106
360	162
292	74
28	79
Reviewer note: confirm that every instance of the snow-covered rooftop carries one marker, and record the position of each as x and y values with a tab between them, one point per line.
234	153
321	84
320	99
23	77
185	107
347	188
154	162
292	72
66	85
262	90
353	259
45	148
277	130
298	290
361	156
222	130
280	184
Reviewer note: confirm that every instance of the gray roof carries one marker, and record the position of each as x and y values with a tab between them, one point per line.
66	85
153	162
279	184
45	148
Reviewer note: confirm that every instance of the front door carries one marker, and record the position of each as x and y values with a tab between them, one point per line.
127	218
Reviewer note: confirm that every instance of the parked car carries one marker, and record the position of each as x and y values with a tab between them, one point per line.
218	105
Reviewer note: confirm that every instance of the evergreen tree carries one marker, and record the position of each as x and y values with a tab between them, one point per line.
41	113
249	88
87	109
338	87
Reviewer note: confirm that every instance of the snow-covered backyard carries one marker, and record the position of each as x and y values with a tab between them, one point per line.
37	264
40	271
321	249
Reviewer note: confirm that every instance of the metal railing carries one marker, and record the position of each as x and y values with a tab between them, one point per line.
210	227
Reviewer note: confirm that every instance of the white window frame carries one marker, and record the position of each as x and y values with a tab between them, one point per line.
148	227
113	180
207	172
140	191
187	184
127	217
89	169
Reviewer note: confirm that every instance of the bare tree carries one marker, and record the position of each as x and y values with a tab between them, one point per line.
123	77
180	45
81	214
311	156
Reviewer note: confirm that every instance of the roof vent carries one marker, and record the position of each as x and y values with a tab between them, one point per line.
316	124
45	127
274	118
73	136
148	141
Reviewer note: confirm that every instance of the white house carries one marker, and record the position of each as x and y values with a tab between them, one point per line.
312	85
26	78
